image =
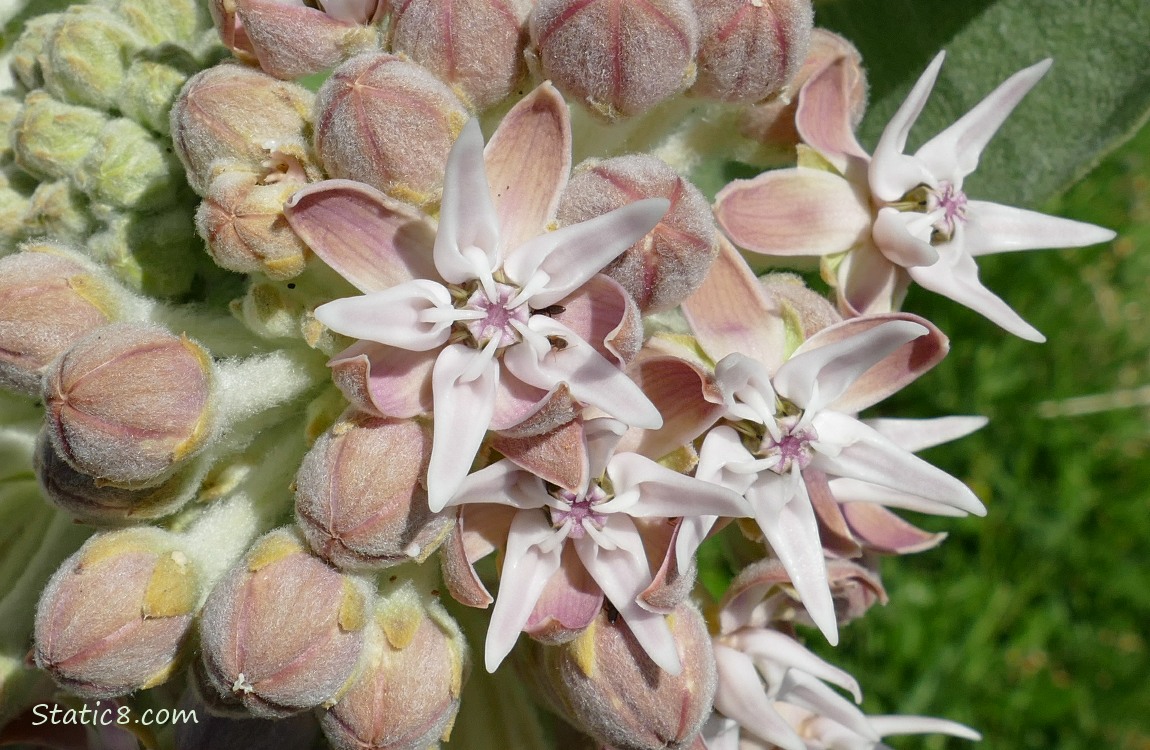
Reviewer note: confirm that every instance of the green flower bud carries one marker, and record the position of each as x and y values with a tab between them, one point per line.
50	139
50	298
28	49
282	632
13	207
159	21
115	617
10	107
85	55
149	89
57	209
157	254
128	167
360	495
130	404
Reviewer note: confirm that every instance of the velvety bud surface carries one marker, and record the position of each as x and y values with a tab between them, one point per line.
51	139
282	632
116	615
26	51
86	54
152	253
476	46
49	299
129	403
618	57
749	50
291	40
150	87
57	209
129	168
360	494
389	123
670	262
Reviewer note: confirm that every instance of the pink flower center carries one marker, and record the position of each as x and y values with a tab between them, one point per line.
793	447
952	201
498	316
581	510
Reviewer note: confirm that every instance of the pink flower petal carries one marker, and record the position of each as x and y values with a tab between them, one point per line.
868	282
793	212
528	160
569	602
558	456
353	11
478	531
991	228
883	531
823	117
377	378
517	402
685	395
602	313
373	241
602	436
834	533
892	173
467	241
850	491
403	316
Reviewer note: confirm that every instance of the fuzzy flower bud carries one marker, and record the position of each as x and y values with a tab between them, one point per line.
407	695
282	632
27	51
620	58
50	298
153	253
116	615
360	495
230	113
51	139
57	209
159	21
86	54
127	167
750	50
150	87
670	262
805	312
476	46
130	403
607	685
389	123
243	223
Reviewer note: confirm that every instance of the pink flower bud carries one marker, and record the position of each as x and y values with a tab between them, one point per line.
605	683
670	262
282	632
116	615
476	46
619	57
805	312
242	221
389	123
231	113
407	695
750	50
130	403
50	297
292	39
360	495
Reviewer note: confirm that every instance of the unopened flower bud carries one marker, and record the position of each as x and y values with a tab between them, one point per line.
148	90
620	58
235	114
291	40
242	220
116	615
407	694
805	312
13	207
25	60
86	53
57	209
50	298
159	21
10	107
127	167
130	403
669	262
750	50
156	254
283	631
607	685
360	494
389	123
476	46
50	139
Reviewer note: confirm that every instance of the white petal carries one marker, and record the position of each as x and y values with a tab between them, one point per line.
601	435
741	697
467	241
991	228
502	483
526	569
746	388
555	264
463	407
847	490
415	315
806	692
903	237
662	493
892	174
721	448
773	646
953	153
720	733
888	725
915	435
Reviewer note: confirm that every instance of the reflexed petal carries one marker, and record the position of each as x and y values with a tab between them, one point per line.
558	456
462	412
915	435
394	382
645	489
528	159
554	264
467	242
370	239
953	153
526	569
956	276
685	394
592	379
793	212
806	692
730	312
741	697
603	314
786	652
692	532
904	237
569	602
353	11
991	228
502	483
883	531
787	520
823	117
888	725
416	316
813	378
868	282
850	491
868	456
892	174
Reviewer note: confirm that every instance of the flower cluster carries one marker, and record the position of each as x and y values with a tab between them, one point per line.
410	348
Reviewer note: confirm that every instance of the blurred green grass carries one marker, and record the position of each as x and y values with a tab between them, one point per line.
1031	624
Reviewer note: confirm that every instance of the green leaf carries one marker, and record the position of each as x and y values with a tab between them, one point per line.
1095	97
